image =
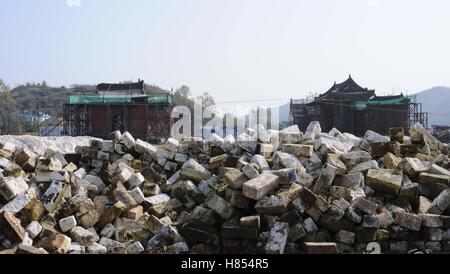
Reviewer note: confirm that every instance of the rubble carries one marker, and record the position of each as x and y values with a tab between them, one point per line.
310	193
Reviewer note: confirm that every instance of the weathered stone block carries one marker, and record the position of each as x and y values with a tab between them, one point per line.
431	220
339	192
82	236
232	230
320	248
296	232
314	213
325	180
334	160
272	205
298	150
135	180
192	170
385	180
440	203
233	177
352	180
354	215
199	232
345	237
111	214
128	140
277	239
135	248
17	204
259	187
310	226
12	227
435	169
66	224
429	178
220	206
409	221
364	167
251	221
412	166
391	161
54	195
396	134
330	223
364	205
134	213
12	187
370	221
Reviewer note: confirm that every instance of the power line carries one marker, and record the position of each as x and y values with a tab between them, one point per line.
253	101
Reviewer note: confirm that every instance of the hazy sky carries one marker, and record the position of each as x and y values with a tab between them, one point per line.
235	50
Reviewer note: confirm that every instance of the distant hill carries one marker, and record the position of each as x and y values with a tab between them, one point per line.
44	98
436	101
284	112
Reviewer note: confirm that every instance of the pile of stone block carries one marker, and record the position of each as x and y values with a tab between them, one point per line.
264	192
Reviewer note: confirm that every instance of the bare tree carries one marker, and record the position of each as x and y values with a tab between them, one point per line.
7	106
184	92
206	100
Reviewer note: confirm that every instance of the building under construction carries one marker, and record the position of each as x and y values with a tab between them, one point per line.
351	108
124	107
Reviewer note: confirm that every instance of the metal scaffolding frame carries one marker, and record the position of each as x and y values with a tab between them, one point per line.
416	115
156	118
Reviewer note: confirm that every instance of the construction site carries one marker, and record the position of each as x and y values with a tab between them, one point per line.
354	109
118	183
265	132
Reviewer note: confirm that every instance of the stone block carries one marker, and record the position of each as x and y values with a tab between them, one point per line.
385	180
277	239
325	180
220	206
66	224
408	221
259	187
320	248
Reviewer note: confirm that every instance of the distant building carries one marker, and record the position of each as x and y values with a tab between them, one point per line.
52	127
35	117
442	133
124	107
351	108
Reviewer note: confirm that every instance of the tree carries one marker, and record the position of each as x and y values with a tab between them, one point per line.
3	86
206	100
7	106
184	92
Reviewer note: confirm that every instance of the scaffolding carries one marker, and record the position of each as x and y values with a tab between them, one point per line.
147	117
377	114
416	114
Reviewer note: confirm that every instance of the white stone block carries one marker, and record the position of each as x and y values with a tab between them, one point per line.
66	224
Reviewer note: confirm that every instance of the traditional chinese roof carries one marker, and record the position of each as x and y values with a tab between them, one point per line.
348	89
108	87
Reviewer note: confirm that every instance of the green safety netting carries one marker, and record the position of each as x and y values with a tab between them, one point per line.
96	99
153	98
159	98
362	105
